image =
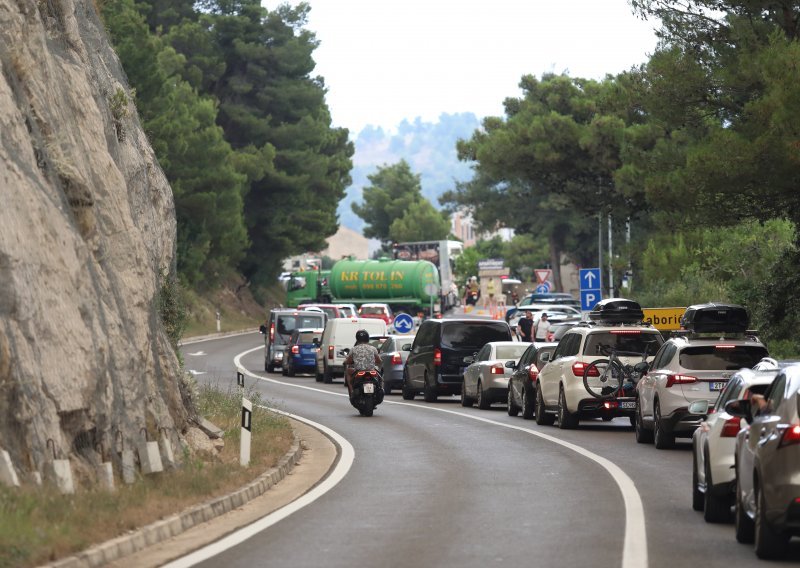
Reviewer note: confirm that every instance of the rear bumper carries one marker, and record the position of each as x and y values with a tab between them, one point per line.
596	408
680	423
394	377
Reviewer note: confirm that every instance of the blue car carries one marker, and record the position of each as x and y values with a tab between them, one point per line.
301	351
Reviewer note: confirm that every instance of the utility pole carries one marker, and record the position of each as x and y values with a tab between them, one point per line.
610	260
600	250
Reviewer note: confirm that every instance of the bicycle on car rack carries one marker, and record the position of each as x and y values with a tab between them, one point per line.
610	378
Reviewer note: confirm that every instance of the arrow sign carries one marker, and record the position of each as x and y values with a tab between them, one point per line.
590	278
542	274
403	323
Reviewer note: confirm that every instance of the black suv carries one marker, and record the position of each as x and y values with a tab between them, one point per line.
435	365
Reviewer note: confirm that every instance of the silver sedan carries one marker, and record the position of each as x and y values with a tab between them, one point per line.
486	377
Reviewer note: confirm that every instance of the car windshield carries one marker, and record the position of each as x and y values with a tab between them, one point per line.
474	335
511	351
346	311
721	357
372	310
308	337
286	324
627	342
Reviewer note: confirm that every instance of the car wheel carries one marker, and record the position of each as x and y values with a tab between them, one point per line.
769	543
387	389
270	368
643	435
466	401
429	392
566	419
327	377
317	375
745	528
697	495
483	400
266	366
290	370
285	370
662	440
715	509
527	404
542	417
513	409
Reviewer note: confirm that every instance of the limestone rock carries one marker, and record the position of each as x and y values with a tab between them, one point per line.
199	443
87	224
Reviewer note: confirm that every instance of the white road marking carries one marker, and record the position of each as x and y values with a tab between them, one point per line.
193	372
196	354
634	549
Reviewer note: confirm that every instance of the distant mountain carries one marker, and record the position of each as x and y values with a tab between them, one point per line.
429	148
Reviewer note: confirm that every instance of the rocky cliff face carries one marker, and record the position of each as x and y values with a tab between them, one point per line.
87	224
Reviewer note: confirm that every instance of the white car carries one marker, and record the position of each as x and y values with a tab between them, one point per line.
714	444
555	312
486	377
560	391
340	334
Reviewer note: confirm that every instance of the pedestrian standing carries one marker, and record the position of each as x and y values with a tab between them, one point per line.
525	327
542	328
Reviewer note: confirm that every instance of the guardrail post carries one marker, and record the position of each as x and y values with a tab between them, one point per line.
60	471
247	416
149	456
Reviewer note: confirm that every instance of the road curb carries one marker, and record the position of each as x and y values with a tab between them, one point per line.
160	531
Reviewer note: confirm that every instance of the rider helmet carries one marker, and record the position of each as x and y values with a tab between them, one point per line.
362	336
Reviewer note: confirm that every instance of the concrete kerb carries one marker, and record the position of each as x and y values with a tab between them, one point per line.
165	529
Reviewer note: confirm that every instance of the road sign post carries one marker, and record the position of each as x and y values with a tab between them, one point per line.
590	287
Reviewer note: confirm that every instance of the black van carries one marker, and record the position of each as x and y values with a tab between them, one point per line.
436	365
278	331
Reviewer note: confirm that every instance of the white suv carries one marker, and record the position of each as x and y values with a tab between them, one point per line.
694	365
561	393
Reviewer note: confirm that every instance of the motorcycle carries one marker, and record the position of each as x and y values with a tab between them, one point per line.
367	389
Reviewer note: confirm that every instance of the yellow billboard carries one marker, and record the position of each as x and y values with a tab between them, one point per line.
664	319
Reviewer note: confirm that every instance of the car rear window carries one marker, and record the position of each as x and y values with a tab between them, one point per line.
308	337
721	357
372	311
286	324
473	335
511	351
623	341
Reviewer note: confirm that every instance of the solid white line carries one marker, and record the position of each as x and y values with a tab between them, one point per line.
634	549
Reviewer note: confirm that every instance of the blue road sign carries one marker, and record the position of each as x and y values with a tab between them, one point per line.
589	278
589	298
543	288
403	323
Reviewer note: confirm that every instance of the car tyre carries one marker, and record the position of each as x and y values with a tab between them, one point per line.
317	375
698	499
482	399
643	435
466	401
527	404
270	368
429	392
715	508
285	371
769	543
663	441
513	409
566	419
745	527
290	370
542	417
327	376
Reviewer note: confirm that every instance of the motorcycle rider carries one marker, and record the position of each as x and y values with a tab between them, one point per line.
363	357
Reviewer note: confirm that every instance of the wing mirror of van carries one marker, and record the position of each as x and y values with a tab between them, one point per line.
262	329
315	342
468	360
406	347
344	352
545	357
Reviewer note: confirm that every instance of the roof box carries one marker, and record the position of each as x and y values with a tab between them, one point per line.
715	318
617	310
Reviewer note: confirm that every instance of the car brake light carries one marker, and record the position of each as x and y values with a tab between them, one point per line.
330	351
725	346
731	427
533	373
626	331
580	367
680	380
295	349
609	404
437	356
272	332
396	359
497	370
790	436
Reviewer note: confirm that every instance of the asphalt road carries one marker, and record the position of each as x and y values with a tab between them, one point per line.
461	488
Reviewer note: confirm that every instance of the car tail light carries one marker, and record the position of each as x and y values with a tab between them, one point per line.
396	359
609	404
731	427
330	351
790	436
271	332
626	331
580	367
724	346
533	373
680	380
497	370
437	356
295	349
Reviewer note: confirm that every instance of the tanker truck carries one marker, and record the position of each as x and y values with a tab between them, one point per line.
407	286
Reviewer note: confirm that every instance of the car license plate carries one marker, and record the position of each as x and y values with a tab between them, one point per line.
627	404
718	385
369	388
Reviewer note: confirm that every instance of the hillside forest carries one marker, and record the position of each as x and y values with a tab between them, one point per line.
693	157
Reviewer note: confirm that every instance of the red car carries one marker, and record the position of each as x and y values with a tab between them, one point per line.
376	311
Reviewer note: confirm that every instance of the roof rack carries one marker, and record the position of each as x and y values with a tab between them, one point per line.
604	323
749	333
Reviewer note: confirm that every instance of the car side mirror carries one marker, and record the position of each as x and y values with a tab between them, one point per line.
545	357
344	352
511	364
699	408
469	360
406	347
315	342
262	329
740	408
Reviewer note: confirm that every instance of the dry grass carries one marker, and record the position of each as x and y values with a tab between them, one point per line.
39	524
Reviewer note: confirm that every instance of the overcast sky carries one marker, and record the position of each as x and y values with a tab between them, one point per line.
388	60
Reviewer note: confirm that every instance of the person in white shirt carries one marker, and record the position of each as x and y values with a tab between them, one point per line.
542	328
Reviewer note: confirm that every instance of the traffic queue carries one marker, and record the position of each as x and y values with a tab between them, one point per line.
711	381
